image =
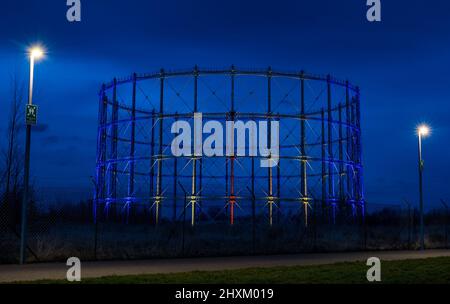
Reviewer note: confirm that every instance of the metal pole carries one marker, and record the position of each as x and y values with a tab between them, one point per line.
132	149
94	205
279	191
175	182
200	185
330	149
324	170
226	186
341	158
232	199
101	157
160	156
193	190
348	158
422	237
184	217
445	222
269	113
152	159
26	177
25	195
184	221
95	239
101	153
409	222
446	226
113	153
304	184
194	159
353	153
253	207
410	225
359	170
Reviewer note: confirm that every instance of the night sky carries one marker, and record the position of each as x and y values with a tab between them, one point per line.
401	64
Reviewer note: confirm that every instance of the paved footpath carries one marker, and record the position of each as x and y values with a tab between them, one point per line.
31	272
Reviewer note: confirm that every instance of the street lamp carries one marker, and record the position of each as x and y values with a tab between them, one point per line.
422	131
35	53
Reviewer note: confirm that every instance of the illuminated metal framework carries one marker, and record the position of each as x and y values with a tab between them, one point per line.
320	146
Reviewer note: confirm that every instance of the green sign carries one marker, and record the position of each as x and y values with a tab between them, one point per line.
31	114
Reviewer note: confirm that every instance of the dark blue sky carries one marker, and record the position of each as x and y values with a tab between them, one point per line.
401	64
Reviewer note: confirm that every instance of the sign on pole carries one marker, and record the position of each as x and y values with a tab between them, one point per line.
31	114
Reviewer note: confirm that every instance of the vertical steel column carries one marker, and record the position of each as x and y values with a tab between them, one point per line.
98	166
360	184
353	154
304	184
341	158
113	171
160	152
193	190
269	144
349	134
132	149
175	182
324	169
226	184
152	158
331	195
232	199
101	150
104	144
194	159
200	185
253	205
200	175
279	190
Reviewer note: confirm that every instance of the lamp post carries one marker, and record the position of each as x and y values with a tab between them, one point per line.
35	53
422	131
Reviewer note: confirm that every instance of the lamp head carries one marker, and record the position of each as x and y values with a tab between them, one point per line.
36	52
423	130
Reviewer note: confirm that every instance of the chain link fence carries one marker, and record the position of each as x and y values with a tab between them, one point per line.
62	231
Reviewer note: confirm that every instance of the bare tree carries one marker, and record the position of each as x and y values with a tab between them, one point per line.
13	166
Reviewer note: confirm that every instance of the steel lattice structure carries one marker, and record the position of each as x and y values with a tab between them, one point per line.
320	163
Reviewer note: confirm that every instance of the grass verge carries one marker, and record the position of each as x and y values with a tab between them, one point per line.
429	271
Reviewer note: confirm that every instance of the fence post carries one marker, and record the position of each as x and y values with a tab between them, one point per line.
252	191
184	218
409	222
445	222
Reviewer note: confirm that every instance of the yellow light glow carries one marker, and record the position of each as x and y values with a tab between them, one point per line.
36	52
423	130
